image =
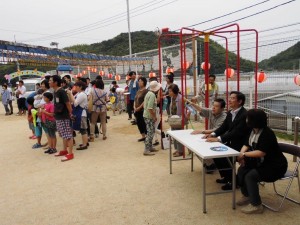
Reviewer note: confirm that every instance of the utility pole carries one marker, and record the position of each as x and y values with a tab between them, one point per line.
18	65
129	35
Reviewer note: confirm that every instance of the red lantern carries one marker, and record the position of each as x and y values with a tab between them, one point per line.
186	65
203	66
261	77
229	72
84	72
109	76
169	70
127	77
88	68
117	77
297	80
101	73
151	74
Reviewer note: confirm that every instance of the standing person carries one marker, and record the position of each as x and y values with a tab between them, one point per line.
62	115
216	117
48	122
30	101
21	100
176	109
139	107
233	133
99	98
213	89
133	88
127	100
169	80
261	160
113	98
10	100
150	104
5	99
80	114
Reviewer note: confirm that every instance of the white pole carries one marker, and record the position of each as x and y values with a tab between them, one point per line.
129	35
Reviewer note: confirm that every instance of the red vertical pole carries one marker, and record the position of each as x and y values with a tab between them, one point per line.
226	74
160	77
256	70
206	72
238	58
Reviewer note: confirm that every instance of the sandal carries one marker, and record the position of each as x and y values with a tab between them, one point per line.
174	153
178	154
61	153
67	157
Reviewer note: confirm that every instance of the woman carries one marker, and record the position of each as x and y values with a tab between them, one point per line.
5	99
139	107
260	159
100	98
169	80
80	114
176	109
150	105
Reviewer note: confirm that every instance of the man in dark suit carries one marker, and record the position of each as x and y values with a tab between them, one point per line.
233	133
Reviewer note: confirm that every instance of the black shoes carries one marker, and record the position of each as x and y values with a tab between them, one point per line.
228	187
221	181
141	139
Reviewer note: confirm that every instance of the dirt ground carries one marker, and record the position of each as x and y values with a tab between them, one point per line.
112	183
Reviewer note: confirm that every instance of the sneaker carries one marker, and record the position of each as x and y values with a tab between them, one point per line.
36	145
47	151
148	153
153	150
67	157
251	209
243	201
61	153
52	151
82	147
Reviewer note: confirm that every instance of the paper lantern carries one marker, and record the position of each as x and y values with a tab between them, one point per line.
101	73
169	70
84	72
261	77
151	74
117	77
186	65
127	77
229	72
203	66
109	76
88	68
297	80
94	70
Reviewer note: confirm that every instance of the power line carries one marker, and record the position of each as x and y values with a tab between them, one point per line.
95	25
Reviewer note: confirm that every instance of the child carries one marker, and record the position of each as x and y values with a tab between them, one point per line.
5	99
37	127
48	122
113	98
29	117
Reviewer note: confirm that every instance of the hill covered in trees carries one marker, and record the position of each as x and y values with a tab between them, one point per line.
286	60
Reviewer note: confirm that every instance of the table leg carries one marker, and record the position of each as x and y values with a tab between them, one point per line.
203	188
192	163
170	154
233	182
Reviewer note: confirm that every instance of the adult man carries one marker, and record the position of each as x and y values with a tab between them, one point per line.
133	88
62	114
21	100
216	117
233	133
213	89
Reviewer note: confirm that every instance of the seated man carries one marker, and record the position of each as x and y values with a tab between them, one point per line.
233	133
216	117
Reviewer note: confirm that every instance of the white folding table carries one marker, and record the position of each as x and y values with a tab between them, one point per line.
201	148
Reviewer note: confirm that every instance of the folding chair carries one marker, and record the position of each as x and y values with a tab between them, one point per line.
289	175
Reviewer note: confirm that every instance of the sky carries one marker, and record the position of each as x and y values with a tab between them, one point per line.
40	22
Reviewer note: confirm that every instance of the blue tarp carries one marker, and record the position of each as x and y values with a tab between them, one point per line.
64	68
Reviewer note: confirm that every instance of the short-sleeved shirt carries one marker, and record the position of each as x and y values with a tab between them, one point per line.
140	96
22	91
214	121
49	107
100	98
60	108
150	102
212	89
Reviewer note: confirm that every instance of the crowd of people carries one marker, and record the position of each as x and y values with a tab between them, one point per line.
65	107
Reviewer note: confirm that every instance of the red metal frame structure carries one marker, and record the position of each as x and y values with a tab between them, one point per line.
196	33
